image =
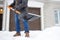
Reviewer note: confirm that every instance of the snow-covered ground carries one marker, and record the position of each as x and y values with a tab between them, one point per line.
52	33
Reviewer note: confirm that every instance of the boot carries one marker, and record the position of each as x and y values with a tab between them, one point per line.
27	34
17	34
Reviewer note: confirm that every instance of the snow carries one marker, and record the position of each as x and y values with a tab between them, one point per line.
52	33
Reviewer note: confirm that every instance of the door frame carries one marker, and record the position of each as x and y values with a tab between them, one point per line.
6	15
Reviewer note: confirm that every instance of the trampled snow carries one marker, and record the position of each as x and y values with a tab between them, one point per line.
52	33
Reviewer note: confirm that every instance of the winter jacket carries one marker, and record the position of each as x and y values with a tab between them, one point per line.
21	5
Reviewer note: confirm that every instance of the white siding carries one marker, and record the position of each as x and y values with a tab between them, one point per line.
49	18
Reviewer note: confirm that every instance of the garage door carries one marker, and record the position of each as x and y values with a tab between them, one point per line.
34	25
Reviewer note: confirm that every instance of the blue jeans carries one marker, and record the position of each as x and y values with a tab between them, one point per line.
17	24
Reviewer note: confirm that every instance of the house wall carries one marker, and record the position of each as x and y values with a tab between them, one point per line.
49	17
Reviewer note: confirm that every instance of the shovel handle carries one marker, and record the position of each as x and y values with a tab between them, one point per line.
14	10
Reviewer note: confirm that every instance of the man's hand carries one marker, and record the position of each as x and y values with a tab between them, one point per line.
17	12
9	7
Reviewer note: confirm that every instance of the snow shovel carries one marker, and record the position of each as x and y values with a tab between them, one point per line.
30	16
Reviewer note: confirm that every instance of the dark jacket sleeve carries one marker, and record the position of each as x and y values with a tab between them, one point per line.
23	4
13	4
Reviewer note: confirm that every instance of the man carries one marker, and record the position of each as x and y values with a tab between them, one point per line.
21	6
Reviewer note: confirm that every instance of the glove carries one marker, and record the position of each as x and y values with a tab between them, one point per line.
9	7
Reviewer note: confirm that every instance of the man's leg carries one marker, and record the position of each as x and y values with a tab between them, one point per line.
17	25
26	27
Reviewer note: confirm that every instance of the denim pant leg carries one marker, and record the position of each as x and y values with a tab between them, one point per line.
26	25
17	24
